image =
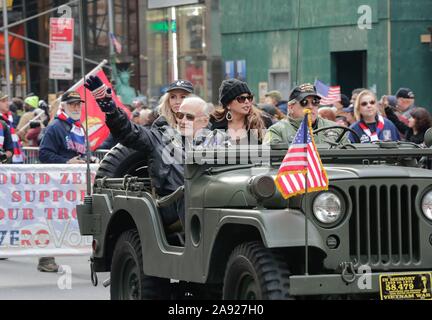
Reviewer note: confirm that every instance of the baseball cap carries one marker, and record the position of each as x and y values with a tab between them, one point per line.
349	109
345	101
181	85
275	95
3	95
405	93
392	101
302	91
71	96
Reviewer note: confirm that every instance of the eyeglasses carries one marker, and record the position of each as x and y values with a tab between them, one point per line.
365	103
242	99
305	102
181	115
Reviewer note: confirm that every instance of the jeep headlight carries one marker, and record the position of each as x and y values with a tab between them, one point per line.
426	205
327	207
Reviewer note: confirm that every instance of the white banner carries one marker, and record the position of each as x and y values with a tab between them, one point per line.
61	53
38	210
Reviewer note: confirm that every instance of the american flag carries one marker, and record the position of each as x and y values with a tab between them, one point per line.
329	95
117	45
302	159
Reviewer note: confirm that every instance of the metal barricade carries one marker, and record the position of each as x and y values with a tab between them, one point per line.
31	154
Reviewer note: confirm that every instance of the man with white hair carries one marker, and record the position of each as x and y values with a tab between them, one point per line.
164	145
63	142
64	139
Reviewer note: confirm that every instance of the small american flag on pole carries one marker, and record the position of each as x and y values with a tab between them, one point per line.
329	95
301	170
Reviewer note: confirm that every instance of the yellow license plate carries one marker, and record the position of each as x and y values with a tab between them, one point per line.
406	286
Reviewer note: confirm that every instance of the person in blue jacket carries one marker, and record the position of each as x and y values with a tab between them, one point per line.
63	142
64	138
370	125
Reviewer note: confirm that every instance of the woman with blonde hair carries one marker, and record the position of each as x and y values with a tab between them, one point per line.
238	117
371	126
169	103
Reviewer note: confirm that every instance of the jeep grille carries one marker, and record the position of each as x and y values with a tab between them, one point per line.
384	225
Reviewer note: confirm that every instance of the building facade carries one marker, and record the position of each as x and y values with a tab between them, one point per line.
155	42
360	43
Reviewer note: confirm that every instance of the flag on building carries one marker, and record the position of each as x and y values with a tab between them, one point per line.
117	45
97	129
301	169
329	95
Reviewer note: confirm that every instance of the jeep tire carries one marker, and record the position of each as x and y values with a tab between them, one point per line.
128	281
120	161
254	272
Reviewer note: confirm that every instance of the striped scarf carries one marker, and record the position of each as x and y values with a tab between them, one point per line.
76	139
374	136
18	156
1	136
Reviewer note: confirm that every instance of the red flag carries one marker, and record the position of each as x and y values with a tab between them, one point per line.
98	131
302	157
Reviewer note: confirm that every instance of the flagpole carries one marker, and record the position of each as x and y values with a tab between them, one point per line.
306	208
83	73
74	87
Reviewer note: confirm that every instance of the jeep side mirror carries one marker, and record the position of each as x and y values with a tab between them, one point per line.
428	138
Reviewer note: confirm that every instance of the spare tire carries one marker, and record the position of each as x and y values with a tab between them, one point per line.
121	161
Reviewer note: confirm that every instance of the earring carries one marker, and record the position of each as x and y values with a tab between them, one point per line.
229	116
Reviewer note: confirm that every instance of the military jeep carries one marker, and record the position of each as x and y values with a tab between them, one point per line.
368	236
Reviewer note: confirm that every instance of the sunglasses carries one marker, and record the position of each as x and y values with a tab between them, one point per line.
242	99
305	102
365	103
181	115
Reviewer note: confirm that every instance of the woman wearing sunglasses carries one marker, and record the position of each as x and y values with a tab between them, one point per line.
170	102
238	117
370	125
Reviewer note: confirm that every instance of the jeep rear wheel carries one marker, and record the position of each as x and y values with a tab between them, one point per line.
254	272
120	161
128	281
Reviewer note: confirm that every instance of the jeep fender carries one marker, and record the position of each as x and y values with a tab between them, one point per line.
278	228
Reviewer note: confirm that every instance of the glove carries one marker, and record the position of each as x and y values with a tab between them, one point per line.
101	93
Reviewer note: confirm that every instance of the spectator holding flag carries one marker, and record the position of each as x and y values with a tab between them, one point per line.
370	125
63	142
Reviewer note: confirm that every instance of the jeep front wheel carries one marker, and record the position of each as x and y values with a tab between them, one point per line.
128	281
254	272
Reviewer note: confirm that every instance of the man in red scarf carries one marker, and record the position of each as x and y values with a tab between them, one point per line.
63	142
6	116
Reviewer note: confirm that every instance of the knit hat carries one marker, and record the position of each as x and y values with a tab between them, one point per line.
231	89
32	101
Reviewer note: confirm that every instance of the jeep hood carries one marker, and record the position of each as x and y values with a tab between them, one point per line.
229	189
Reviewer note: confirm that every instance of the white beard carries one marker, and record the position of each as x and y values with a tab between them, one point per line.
73	115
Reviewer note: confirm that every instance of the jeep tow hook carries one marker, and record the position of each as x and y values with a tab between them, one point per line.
348	272
93	275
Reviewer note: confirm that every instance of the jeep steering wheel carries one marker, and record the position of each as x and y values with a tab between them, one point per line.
344	130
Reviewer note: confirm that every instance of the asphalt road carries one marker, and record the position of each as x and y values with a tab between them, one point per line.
20	280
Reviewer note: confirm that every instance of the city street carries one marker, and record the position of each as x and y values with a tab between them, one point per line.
19	280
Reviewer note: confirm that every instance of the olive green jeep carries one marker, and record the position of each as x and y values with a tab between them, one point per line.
368	236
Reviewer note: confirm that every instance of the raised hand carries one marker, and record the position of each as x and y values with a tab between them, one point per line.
101	93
